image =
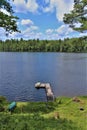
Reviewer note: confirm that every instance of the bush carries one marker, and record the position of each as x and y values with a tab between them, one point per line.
1	108
34	122
2	99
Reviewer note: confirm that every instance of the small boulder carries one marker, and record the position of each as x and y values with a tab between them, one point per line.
76	99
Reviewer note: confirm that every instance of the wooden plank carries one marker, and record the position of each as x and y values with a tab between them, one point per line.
47	87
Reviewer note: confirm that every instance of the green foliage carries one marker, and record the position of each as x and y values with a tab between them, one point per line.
3	99
66	45
38	107
3	103
35	122
77	15
8	22
39	116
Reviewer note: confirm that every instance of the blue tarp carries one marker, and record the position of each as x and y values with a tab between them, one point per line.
12	106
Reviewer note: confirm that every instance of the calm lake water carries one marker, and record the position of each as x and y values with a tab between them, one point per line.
66	72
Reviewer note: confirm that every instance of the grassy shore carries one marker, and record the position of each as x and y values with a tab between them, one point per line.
62	114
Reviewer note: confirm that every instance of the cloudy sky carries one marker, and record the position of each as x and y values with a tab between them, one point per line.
41	19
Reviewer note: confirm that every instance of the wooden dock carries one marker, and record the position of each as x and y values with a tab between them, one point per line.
48	89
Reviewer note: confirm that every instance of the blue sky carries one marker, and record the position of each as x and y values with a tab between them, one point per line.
41	19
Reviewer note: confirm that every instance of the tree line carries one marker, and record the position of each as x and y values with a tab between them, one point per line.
66	45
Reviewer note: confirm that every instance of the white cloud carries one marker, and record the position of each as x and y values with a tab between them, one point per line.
31	29
3	34
20	5
64	30
19	2
34	28
77	25
83	34
49	31
2	31
52	36
47	1
33	33
27	22
61	7
30	26
23	6
27	34
32	5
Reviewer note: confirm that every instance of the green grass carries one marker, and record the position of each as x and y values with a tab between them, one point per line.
62	114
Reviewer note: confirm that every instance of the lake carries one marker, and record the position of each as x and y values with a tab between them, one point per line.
19	71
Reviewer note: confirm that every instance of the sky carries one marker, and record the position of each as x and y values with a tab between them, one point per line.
41	19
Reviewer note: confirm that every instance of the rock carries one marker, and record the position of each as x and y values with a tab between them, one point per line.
76	99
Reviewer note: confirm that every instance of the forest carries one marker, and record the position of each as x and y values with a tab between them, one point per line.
66	45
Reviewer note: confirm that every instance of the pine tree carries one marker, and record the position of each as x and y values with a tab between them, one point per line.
77	16
8	21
